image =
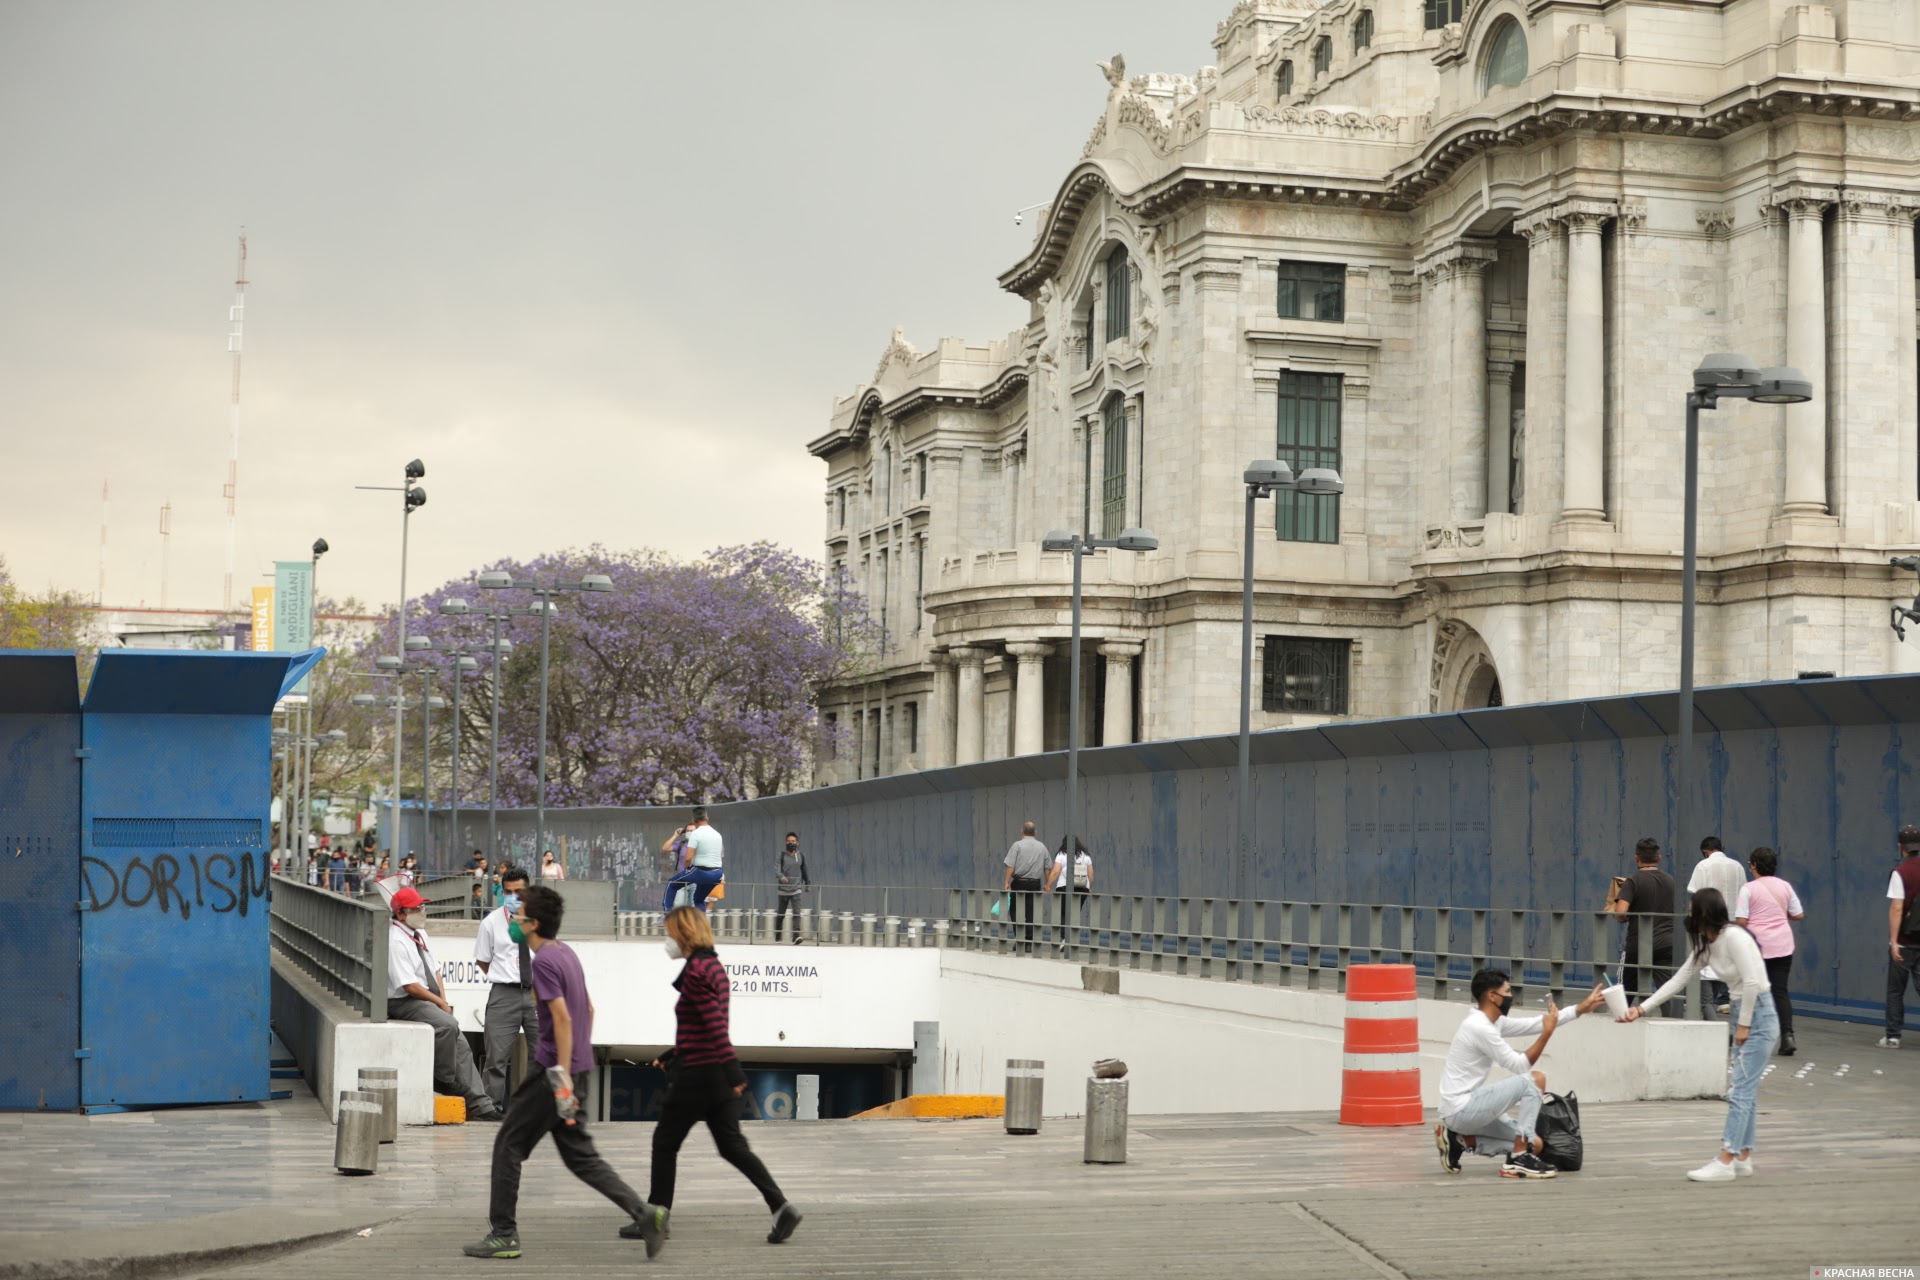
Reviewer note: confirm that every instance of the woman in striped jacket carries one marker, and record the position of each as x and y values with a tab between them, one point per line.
704	1079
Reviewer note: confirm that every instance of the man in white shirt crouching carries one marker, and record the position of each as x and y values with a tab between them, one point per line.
1473	1112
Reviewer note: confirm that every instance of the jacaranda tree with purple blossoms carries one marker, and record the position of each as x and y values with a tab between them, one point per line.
689	681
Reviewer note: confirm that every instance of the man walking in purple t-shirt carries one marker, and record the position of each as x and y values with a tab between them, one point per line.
565	1054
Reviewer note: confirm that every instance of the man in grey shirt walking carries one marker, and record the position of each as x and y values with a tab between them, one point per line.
793	879
1026	865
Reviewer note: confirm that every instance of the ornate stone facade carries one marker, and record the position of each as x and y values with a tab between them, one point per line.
1473	266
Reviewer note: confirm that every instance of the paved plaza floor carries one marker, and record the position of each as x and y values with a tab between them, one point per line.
1272	1195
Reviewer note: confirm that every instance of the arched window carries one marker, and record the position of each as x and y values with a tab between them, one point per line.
1506	56
1119	299
885	479
1113	482
1322	55
1442	13
1283	79
1363	30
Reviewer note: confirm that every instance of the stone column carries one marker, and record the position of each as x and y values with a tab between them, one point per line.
1029	706
1806	482
1585	459
1499	435
970	713
939	727
1117	726
1467	467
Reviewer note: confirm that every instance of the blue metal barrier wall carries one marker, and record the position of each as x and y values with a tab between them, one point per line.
174	877
1530	806
39	831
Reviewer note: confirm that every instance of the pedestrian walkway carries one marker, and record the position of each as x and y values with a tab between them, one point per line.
1215	1196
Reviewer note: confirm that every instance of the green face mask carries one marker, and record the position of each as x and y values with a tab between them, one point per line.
515	932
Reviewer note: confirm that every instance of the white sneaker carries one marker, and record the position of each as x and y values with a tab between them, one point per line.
1742	1168
1723	1008
1712	1171
1888	1042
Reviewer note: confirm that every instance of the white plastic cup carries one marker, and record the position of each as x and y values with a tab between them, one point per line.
1616	998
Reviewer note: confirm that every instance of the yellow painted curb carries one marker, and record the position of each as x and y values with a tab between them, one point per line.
940	1106
449	1110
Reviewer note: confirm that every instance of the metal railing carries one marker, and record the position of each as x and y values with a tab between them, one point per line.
339	942
1290	944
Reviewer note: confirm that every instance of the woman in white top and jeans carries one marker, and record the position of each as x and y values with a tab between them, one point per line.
1767	908
1735	956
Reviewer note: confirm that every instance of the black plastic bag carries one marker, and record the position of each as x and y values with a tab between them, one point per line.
1559	1129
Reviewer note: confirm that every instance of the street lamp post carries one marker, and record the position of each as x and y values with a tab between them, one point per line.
500	579
1722	376
401	704
412	497
497	653
1080	547
1262	479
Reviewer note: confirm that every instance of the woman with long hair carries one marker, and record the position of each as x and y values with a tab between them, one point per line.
704	1079
1735	956
1767	908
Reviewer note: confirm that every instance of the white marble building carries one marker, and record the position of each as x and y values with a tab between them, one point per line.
1468	251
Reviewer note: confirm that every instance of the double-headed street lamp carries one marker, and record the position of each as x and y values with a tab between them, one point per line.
1722	376
1263	479
501	650
412	498
401	704
1079	547
465	663
501	580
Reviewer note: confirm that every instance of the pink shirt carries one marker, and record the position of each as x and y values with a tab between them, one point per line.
1767	904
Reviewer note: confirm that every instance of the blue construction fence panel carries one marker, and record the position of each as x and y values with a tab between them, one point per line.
39	882
173	876
1527	807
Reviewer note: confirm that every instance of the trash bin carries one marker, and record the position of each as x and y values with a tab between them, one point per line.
1026	1086
356	1133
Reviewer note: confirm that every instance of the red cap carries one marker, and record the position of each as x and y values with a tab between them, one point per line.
407	899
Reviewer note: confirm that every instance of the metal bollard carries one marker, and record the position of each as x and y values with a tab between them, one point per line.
1026	1088
893	931
868	932
1106	1141
384	1084
356	1133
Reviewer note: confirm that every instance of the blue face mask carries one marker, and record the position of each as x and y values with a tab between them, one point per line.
511	902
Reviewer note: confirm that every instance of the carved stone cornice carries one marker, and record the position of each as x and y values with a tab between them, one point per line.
1536	226
1798	200
1216	273
1862	204
1584	214
1461	258
1715	223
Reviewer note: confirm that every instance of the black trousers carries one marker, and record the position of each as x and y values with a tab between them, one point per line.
1898	976
696	1094
1777	970
1656	976
1025	893
784	904
530	1117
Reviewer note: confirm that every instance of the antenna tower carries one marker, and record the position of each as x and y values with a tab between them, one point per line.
166	546
100	591
236	316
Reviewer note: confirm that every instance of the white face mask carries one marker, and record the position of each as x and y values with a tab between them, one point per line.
673	950
415	919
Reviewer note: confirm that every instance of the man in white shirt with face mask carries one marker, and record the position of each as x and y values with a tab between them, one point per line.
510	1008
414	994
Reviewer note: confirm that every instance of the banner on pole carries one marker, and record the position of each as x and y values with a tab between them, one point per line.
293	609
263	619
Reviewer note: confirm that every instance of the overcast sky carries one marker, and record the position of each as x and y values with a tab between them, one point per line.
602	266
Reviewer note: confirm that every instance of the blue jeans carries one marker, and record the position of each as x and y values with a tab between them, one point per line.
1749	1061
703	880
1483	1115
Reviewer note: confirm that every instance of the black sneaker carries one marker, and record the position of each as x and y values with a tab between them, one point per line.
1450	1146
783	1224
1525	1164
495	1246
650	1226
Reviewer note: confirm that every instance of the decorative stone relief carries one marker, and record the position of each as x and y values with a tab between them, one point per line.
1350	124
1448	536
1716	223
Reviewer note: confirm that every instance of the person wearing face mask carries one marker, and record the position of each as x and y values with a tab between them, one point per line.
414	994
509	984
704	1078
1472	1112
793	880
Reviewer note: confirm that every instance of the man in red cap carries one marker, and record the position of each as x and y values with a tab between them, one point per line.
414	994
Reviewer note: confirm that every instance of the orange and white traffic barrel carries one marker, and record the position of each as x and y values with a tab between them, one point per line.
1380	1080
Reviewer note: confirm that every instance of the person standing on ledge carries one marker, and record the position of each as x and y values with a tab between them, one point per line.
414	995
564	1053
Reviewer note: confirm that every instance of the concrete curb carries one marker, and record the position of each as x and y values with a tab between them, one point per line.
156	1250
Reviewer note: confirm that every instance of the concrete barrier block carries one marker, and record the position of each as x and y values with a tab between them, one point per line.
407	1046
1100	978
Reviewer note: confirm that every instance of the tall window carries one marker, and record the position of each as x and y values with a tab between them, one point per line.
832	735
1300	674
886	637
919	582
840	506
1442	13
885	481
920	469
1309	436
1313	290
1322	55
1119	296
1113	482
1283	78
1506	56
913	727
873	736
1363	30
